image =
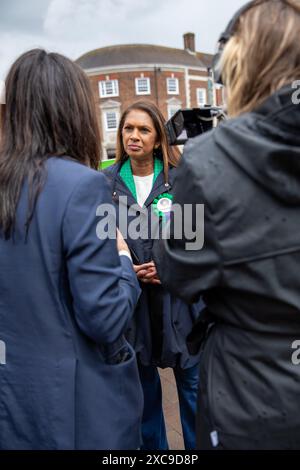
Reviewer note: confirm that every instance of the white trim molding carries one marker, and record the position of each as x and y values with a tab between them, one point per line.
104	85
187	88
106	70
199	78
111	116
175	81
201	100
110	104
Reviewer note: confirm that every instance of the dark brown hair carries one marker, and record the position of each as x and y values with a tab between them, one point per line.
49	111
170	155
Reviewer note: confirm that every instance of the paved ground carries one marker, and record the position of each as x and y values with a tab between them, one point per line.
171	409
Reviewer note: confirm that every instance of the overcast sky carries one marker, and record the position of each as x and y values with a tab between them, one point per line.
73	27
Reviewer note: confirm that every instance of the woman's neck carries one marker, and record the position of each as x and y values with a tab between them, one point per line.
142	167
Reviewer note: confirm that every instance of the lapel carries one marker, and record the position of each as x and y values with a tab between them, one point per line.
119	188
159	187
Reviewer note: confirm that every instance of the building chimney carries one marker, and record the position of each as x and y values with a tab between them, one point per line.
189	42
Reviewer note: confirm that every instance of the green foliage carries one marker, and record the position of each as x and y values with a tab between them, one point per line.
106	163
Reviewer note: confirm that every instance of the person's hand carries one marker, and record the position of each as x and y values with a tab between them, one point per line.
121	244
147	273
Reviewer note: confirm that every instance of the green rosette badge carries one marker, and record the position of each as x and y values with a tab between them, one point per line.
162	205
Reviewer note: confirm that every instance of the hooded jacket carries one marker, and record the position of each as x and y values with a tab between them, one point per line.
247	174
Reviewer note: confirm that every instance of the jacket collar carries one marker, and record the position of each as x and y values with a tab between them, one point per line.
119	187
281	99
159	187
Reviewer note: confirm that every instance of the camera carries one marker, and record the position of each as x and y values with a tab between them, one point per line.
188	123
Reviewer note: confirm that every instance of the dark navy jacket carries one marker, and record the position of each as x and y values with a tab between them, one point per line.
162	321
63	296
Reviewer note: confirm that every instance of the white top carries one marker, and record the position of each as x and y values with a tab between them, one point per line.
143	186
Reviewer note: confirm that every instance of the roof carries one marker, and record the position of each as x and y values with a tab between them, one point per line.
135	54
205	58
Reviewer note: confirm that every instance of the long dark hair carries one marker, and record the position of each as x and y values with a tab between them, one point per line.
170	155
49	111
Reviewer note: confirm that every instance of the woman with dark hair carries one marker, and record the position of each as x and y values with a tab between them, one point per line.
247	174
69	379
141	183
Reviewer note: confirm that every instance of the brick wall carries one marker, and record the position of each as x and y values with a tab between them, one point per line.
158	91
127	91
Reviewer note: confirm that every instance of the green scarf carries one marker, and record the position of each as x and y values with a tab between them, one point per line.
127	176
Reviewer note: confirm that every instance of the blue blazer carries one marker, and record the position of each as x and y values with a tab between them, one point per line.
65	299
162	321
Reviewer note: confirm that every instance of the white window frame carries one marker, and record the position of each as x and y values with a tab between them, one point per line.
170	92
108	129
103	88
148	92
204	91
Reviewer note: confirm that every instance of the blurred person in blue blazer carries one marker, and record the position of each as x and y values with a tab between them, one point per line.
69	379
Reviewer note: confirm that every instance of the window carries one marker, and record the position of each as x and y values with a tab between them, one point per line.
111	121
172	110
108	88
172	86
201	96
142	86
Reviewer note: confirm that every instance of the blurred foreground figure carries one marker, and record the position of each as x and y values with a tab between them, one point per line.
247	174
68	378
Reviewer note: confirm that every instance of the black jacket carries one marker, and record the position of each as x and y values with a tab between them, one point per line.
161	321
247	174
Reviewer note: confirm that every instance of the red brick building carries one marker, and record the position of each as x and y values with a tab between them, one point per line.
171	78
